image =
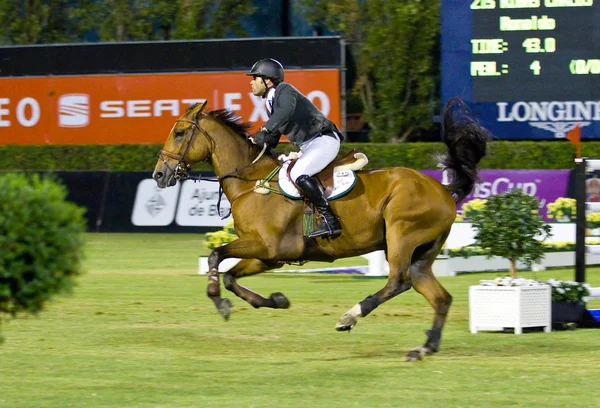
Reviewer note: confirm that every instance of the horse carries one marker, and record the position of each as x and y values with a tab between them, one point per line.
404	212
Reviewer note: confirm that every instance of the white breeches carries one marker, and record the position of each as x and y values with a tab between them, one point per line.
317	153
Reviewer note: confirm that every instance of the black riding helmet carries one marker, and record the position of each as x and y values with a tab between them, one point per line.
269	68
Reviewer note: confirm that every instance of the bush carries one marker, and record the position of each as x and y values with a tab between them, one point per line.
41	237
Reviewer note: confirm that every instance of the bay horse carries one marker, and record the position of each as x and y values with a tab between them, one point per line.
402	211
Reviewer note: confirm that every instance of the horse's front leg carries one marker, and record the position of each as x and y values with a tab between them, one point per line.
239	249
249	267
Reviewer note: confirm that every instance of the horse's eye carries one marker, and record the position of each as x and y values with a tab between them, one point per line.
179	133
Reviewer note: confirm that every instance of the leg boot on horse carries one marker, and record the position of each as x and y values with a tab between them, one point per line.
330	223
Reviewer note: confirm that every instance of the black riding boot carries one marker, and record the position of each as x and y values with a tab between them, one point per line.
311	187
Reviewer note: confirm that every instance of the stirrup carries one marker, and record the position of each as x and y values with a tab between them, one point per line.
325	229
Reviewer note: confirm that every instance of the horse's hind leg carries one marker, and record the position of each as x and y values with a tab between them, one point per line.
425	282
398	282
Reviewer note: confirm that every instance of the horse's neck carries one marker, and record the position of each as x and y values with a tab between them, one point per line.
233	164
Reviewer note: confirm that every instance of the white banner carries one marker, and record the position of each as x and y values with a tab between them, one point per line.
154	206
198	205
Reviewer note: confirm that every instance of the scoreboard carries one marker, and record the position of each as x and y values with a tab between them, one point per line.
530	69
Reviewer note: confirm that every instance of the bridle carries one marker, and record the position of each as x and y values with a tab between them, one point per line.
182	167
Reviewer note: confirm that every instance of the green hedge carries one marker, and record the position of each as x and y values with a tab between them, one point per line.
502	155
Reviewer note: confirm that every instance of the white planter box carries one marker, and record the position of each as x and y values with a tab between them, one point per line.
224	266
497	307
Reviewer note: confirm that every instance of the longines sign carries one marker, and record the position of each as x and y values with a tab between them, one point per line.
555	117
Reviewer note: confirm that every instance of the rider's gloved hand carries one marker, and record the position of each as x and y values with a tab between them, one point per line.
263	137
259	137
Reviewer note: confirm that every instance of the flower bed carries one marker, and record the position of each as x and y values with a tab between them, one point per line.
473	250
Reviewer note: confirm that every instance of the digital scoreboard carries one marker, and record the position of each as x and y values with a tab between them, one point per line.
530	69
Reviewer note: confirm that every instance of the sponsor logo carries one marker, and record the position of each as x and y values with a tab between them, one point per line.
154	206
556	116
74	110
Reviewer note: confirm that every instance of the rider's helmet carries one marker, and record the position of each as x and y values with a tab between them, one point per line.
268	68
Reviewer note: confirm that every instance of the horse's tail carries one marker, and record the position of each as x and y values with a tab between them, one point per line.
466	140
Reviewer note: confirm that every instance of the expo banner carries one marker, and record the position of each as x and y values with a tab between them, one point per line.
546	185
138	108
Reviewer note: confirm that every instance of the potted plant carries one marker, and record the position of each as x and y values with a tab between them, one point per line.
562	209
214	240
508	225
593	222
472	208
224	236
568	303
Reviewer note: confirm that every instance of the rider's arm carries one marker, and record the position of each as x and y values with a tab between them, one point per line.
284	107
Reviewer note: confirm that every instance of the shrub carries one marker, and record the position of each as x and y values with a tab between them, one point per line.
41	237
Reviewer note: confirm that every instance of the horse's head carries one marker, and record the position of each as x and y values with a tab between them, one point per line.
188	143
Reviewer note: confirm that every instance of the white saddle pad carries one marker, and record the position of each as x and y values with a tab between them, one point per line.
343	181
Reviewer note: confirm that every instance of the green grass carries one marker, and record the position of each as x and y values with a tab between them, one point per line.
138	331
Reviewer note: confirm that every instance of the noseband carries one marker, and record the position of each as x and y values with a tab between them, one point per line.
182	168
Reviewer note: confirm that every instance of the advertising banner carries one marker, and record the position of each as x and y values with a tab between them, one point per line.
546	185
138	108
188	204
197	204
131	201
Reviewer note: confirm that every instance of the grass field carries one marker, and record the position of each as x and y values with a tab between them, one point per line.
138	331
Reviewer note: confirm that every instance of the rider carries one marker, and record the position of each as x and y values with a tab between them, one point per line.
318	138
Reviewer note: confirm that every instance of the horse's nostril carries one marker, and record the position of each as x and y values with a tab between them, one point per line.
158	175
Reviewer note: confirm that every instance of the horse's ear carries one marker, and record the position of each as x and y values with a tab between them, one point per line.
199	110
203	106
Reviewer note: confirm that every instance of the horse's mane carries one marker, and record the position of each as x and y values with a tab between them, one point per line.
233	121
230	119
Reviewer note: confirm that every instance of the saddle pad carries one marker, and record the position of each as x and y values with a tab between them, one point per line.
343	181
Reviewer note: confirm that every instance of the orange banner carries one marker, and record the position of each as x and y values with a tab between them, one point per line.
114	109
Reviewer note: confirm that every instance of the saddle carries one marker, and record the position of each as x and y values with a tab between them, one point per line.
350	161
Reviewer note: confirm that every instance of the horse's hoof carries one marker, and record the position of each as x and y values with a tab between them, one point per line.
225	308
346	323
416	354
279	300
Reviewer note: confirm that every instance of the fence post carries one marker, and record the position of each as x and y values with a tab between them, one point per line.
580	195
